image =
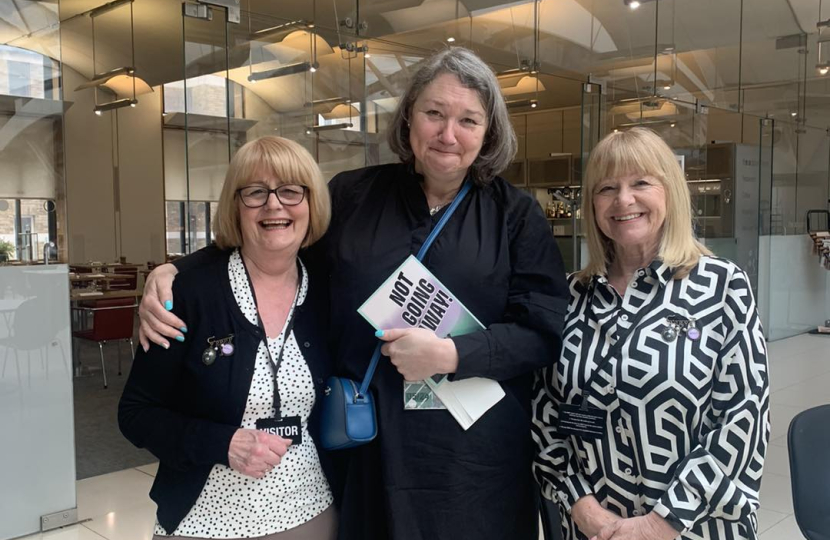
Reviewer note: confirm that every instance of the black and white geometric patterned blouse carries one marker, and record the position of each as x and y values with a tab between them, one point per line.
233	505
687	420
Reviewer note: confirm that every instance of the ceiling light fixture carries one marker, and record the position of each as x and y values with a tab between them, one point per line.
526	85
328	101
289	26
634	4
519	103
450	39
101	78
124	74
282	71
117	104
331	127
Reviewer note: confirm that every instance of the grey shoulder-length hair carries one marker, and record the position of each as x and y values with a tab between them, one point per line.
500	144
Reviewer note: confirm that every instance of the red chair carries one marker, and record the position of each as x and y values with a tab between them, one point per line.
112	320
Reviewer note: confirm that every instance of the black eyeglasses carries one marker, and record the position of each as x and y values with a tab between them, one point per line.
257	196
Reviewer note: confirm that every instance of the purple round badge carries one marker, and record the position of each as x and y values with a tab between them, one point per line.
694	334
227	349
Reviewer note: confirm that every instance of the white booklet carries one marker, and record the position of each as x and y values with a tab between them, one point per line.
412	297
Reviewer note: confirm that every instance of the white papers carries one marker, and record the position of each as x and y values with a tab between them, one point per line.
468	399
412	297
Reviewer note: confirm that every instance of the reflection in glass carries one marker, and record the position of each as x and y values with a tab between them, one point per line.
31	154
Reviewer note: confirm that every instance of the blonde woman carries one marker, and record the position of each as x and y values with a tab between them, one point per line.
654	423
231	412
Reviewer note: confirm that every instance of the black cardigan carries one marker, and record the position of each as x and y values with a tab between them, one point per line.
185	412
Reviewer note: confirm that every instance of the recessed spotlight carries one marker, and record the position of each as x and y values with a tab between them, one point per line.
313	69
823	70
672	124
616	130
97	113
450	39
666	87
793	114
634	4
533	105
367	55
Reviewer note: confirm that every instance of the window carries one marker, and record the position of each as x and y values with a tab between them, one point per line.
26	225
198	215
26	73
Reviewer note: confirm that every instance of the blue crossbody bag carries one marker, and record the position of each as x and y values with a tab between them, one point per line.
348	414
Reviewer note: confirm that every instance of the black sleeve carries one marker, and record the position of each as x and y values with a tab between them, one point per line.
146	414
198	258
530	335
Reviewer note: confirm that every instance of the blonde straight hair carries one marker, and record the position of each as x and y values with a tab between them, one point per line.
291	164
640	151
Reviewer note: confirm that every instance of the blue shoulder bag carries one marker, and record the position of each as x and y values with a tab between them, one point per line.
348	414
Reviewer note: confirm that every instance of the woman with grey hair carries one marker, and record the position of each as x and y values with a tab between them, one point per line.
425	477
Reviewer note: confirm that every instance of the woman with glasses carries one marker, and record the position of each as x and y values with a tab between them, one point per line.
231	412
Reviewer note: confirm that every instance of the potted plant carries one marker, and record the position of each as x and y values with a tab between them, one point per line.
6	250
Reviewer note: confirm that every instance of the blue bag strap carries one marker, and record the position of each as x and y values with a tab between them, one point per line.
373	364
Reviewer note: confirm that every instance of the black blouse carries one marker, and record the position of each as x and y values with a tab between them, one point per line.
424	476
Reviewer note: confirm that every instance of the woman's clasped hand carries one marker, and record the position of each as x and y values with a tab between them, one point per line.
254	452
418	353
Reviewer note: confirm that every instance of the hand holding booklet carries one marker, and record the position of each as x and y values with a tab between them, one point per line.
412	297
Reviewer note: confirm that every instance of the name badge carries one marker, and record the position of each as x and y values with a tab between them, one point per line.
587	423
288	427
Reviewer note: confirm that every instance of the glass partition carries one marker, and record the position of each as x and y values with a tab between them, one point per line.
730	87
36	414
32	201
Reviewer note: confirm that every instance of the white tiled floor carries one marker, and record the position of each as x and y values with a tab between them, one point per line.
118	507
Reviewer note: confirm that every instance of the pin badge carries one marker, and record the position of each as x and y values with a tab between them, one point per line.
209	356
692	332
677	326
217	347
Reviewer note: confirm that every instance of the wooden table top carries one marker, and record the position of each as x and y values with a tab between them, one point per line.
78	294
97	277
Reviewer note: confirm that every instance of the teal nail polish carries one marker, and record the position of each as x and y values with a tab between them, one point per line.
183	329
168	305
379	333
180	338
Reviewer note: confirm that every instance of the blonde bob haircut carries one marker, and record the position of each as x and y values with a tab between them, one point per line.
640	151
285	160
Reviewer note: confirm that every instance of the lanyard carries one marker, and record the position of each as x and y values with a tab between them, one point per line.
289	327
621	338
